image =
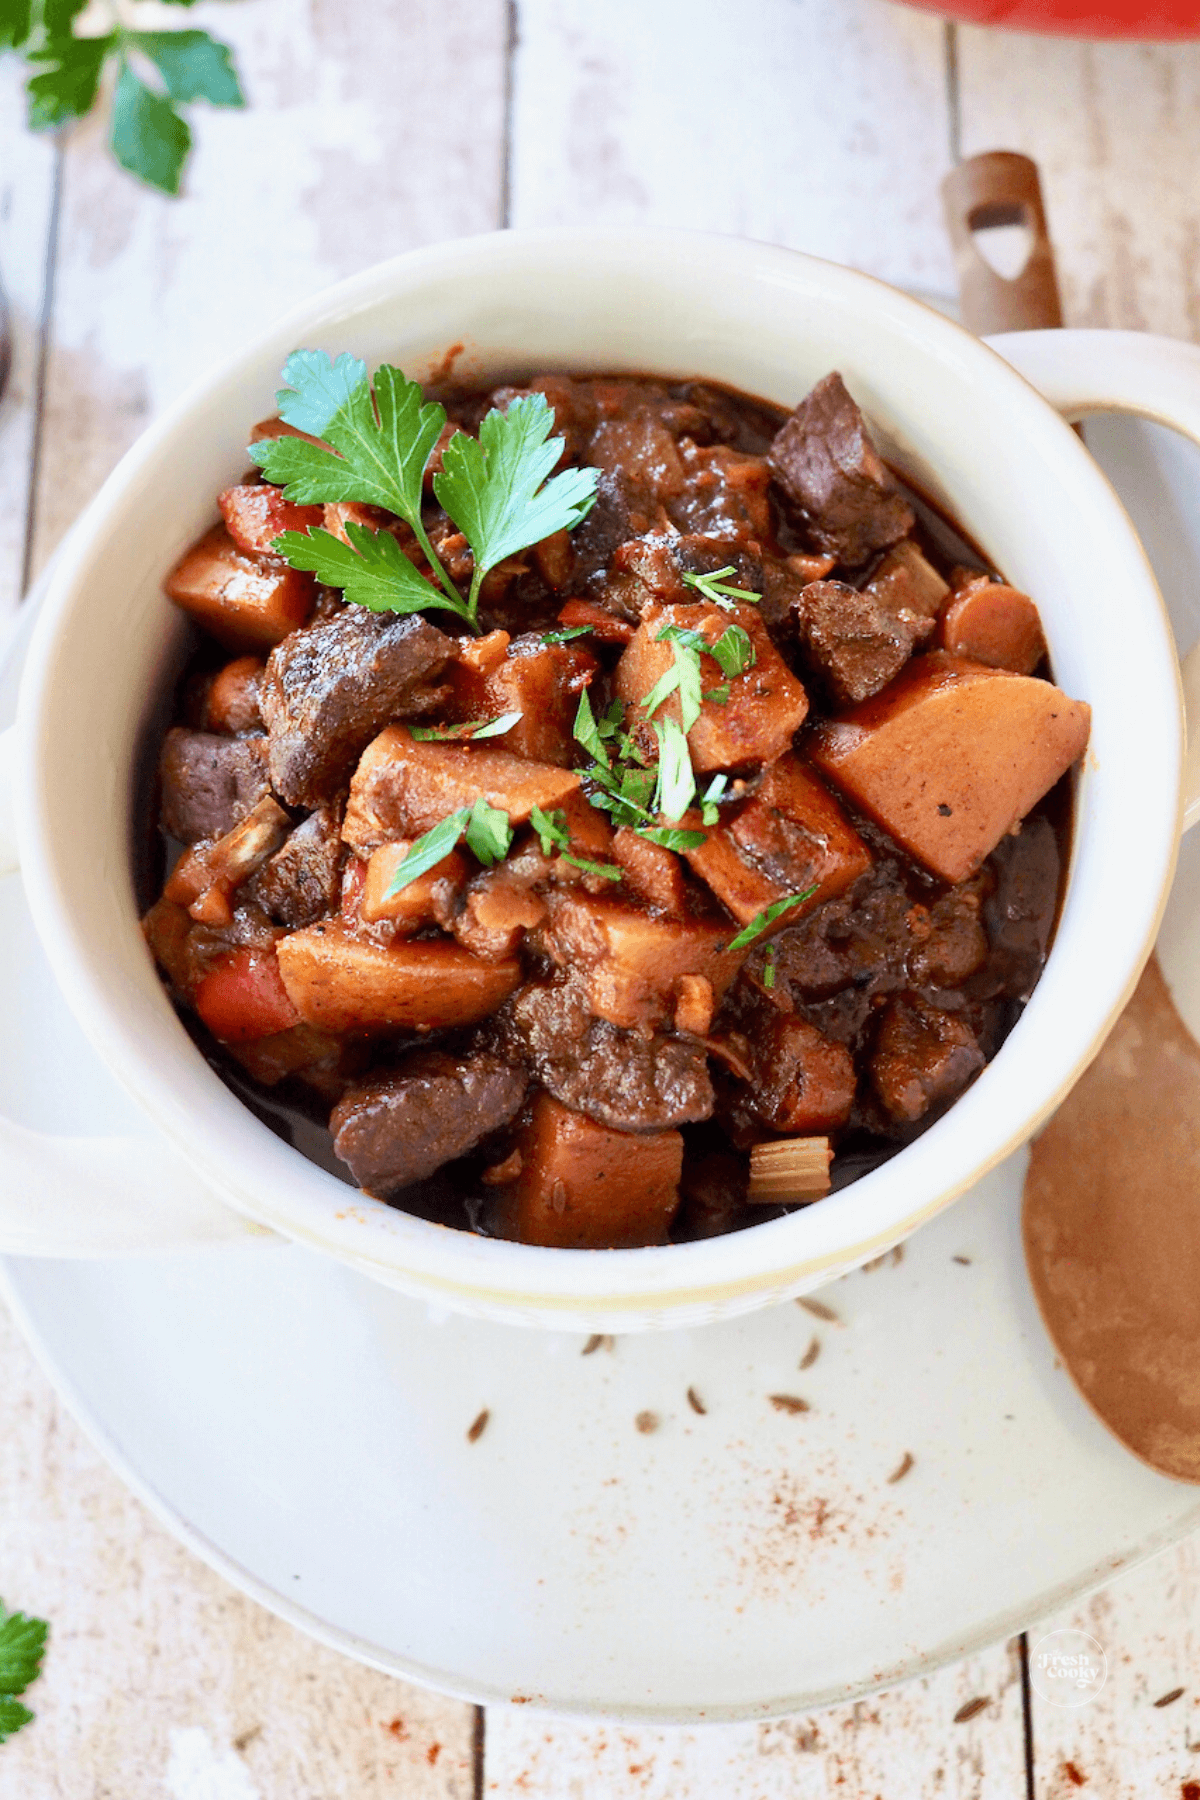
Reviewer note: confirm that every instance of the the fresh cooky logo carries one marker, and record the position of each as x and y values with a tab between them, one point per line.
1067	1668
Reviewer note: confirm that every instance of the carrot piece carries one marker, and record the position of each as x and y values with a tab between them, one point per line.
582	1186
243	997
994	624
764	706
540	681
429	898
952	755
340	982
256	513
654	874
404	786
244	603
231	704
790	837
600	622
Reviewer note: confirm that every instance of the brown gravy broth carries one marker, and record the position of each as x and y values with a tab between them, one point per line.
833	966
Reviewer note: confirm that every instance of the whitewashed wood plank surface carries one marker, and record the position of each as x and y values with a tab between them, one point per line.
370	129
159	1677
821	124
1115	129
26	193
905	1744
1134	1739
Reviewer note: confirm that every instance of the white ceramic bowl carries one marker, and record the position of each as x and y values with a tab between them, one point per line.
948	411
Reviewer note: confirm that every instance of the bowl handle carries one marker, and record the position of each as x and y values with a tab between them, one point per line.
97	1196
1157	378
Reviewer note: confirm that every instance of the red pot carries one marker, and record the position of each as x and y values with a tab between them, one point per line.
1079	18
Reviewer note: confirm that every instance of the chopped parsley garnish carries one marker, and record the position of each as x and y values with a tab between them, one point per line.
676	787
553	835
734	650
566	634
377	439
714	792
473	729
767	917
768	971
672	838
485	827
22	1643
715	588
587	732
684	676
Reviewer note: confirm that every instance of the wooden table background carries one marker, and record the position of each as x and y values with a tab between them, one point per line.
375	126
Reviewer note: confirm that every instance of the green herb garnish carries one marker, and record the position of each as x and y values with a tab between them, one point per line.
671	838
22	1643
676	787
718	695
734	650
489	833
768	972
473	730
566	634
587	732
767	917
715	588
147	135
553	835
426	852
377	439
714	792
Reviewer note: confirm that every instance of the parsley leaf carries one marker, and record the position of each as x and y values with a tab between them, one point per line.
553	835
587	732
193	65
489	833
16	22
67	87
566	634
768	972
492	486
714	792
148	137
734	650
676	783
714	587
372	568
718	695
671	838
381	442
424	853
685	676
475	728
767	917
22	1643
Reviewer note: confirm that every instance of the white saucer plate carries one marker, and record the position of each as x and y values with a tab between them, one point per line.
305	1430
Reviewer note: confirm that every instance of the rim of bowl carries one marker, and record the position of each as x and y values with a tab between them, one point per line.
738	1269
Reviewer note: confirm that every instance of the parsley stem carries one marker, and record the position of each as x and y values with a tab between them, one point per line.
473	597
439	569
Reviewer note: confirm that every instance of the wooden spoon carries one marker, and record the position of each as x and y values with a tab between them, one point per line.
1111	1219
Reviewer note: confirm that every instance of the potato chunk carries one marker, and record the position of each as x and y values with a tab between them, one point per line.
540	681
631	964
765	706
403	786
584	1187
654	874
791	836
244	603
340	982
952	755
429	898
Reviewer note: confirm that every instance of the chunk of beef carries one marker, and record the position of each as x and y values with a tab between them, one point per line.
618	514
725	493
906	581
828	467
642	450
660	561
1019	915
852	640
209	782
327	691
801	1082
623	1079
303	880
398	1128
923	1057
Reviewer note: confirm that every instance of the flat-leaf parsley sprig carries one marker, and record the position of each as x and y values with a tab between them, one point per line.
377	438
22	1642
